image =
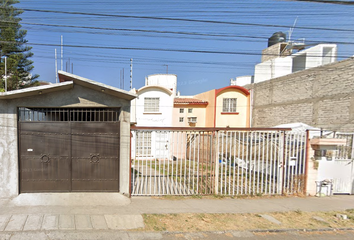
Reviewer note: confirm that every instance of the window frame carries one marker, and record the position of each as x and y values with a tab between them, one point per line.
150	106
229	105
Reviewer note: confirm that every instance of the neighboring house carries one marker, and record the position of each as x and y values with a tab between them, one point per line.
275	65
279	60
153	108
227	107
189	112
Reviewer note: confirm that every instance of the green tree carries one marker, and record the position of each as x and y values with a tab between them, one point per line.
13	46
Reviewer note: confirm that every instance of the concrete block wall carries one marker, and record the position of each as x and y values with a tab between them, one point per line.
321	97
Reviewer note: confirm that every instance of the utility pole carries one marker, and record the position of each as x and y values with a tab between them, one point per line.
131	73
166	68
56	67
5	74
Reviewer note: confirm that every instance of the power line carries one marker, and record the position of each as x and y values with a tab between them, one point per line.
148	49
162	32
182	20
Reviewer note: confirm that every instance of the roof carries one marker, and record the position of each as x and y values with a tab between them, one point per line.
67	81
190	101
168	91
233	87
117	92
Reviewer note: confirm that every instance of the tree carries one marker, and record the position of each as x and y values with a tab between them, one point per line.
13	46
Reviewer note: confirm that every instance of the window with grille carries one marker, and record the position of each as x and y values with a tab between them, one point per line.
190	110
229	105
143	144
68	114
151	104
181	110
181	119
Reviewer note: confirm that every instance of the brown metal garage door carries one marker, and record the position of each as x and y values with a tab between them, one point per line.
64	150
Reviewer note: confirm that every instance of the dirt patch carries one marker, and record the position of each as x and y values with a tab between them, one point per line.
192	222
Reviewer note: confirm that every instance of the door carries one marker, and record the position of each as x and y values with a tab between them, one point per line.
95	151
45	163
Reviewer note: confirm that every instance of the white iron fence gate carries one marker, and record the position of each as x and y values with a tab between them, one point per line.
187	161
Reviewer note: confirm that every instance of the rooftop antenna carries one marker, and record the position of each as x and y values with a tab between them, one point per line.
166	68
292	29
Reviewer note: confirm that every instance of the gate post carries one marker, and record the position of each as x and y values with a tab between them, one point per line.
216	190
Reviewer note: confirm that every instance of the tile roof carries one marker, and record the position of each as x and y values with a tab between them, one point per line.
190	101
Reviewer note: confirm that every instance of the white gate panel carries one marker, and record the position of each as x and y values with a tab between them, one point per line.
340	172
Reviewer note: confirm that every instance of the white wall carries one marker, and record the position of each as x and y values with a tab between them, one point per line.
312	57
163	118
168	81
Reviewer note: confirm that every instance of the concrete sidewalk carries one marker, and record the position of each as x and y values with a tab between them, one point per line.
88	214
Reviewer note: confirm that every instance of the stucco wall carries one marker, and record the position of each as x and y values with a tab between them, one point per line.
76	97
230	119
198	111
210	109
321	97
163	118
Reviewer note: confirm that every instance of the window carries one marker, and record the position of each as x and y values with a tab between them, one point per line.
192	119
143	144
190	110
229	105
151	104
181	110
181	119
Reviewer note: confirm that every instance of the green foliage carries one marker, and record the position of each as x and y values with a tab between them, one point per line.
13	46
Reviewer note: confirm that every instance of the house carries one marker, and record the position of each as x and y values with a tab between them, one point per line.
227	107
72	136
153	107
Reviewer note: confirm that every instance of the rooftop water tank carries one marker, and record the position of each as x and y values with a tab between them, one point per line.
276	38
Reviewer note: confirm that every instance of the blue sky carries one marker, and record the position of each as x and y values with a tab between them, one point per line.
196	72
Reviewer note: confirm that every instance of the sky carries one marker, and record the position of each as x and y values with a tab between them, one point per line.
204	42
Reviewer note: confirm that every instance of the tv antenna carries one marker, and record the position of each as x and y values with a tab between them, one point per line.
292	29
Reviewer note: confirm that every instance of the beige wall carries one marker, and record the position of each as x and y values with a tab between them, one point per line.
198	111
209	110
231	119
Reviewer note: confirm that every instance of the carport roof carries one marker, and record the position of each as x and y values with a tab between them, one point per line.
67	81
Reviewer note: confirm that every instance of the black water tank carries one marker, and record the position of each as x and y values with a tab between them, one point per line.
276	38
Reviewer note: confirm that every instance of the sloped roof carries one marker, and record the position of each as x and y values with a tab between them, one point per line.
67	81
64	77
190	101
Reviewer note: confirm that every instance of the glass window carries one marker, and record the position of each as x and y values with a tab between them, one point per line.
151	104
181	110
190	110
181	119
229	105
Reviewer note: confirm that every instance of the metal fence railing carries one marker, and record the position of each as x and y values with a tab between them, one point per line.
195	161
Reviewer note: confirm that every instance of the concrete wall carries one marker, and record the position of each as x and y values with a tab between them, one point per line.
321	97
76	97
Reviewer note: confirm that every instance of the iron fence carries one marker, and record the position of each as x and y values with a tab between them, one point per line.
195	161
